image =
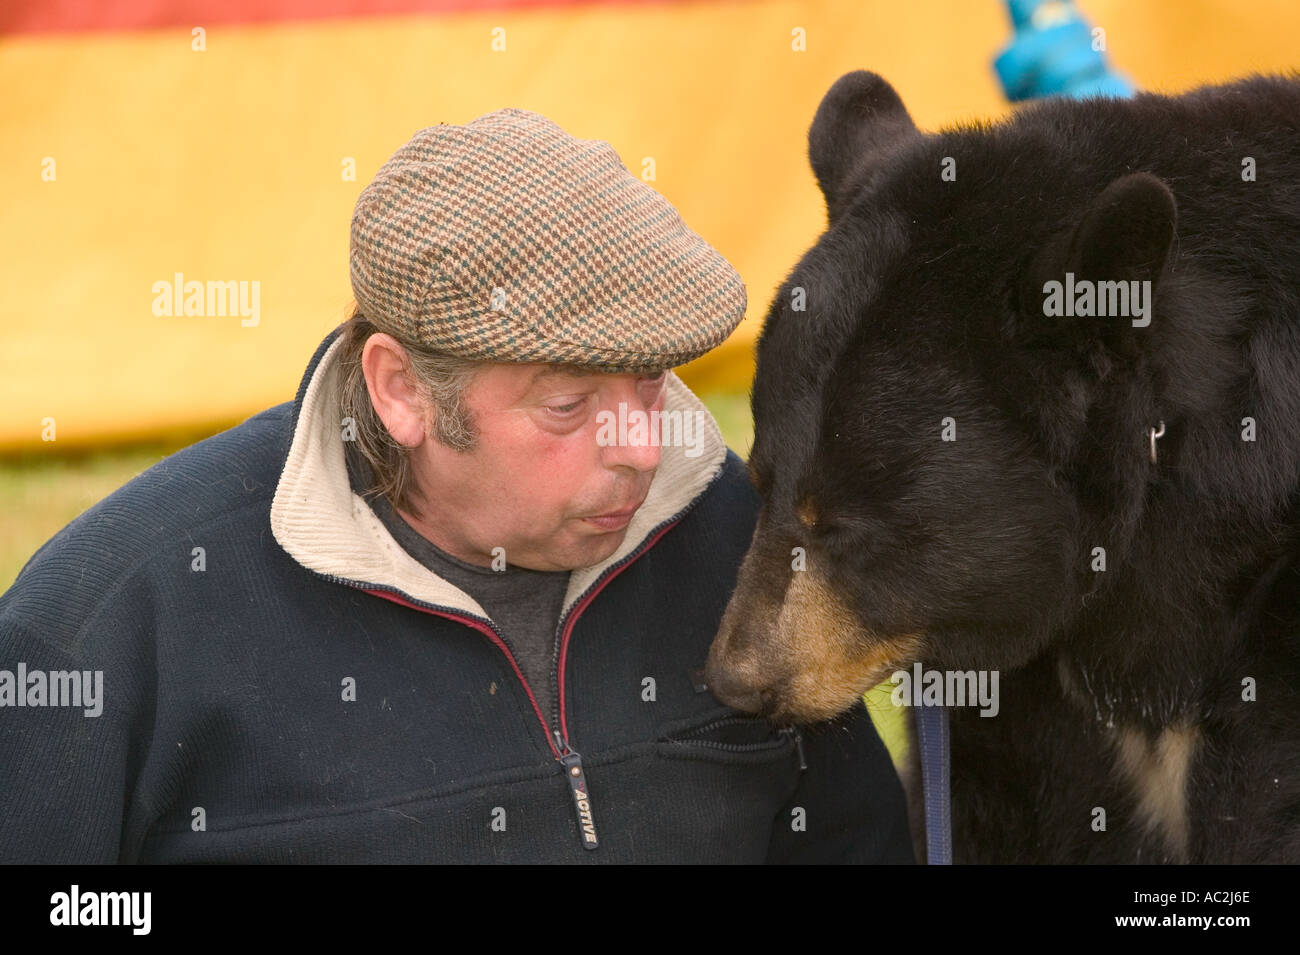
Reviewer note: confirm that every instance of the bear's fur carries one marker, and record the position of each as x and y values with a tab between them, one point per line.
1162	691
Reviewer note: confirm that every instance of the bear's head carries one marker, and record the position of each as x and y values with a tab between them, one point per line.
938	454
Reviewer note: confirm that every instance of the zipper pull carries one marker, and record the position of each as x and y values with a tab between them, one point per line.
798	745
572	763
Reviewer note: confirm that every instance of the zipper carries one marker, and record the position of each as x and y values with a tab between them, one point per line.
790	732
568	758
565	627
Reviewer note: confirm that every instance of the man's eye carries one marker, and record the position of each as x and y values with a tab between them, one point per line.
564	410
654	384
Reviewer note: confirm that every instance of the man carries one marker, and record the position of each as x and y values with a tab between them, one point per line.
450	604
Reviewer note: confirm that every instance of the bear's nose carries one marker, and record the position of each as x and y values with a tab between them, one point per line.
730	691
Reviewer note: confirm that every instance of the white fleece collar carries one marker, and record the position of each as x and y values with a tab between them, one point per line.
325	526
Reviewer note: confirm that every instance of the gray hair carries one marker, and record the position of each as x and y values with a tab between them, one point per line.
441	379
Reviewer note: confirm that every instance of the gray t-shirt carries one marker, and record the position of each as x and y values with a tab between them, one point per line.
523	604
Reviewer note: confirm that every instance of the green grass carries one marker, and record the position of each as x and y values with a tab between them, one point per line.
731	411
41	493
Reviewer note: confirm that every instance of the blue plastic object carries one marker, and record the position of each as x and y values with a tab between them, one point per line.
1053	54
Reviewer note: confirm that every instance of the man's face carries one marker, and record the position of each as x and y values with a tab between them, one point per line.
538	478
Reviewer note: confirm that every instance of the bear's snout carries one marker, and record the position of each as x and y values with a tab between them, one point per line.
734	692
796	652
739	672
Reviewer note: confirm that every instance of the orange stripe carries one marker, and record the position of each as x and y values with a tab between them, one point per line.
71	16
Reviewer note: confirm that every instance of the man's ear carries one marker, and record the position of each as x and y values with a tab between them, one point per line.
859	120
1126	234
397	402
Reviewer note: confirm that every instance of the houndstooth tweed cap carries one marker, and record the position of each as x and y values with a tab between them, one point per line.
509	240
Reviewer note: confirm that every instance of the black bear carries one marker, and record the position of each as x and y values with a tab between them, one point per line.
1030	408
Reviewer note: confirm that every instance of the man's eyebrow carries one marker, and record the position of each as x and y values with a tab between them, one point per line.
571	371
574	371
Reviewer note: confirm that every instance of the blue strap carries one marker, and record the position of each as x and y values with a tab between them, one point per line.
932	738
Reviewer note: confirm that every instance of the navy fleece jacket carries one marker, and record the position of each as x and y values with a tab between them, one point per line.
282	682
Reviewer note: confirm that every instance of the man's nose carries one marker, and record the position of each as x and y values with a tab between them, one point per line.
635	441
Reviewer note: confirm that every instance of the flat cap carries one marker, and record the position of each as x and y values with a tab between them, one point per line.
509	240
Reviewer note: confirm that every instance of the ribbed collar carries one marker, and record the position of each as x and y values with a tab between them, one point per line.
326	527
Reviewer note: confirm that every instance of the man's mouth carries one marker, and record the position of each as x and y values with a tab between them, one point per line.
613	520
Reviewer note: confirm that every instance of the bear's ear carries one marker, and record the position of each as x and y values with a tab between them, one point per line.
859	118
1127	232
1125	235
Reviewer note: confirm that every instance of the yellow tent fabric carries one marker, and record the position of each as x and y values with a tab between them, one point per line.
130	157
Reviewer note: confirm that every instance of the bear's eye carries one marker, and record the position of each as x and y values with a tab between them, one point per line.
846	535
836	541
